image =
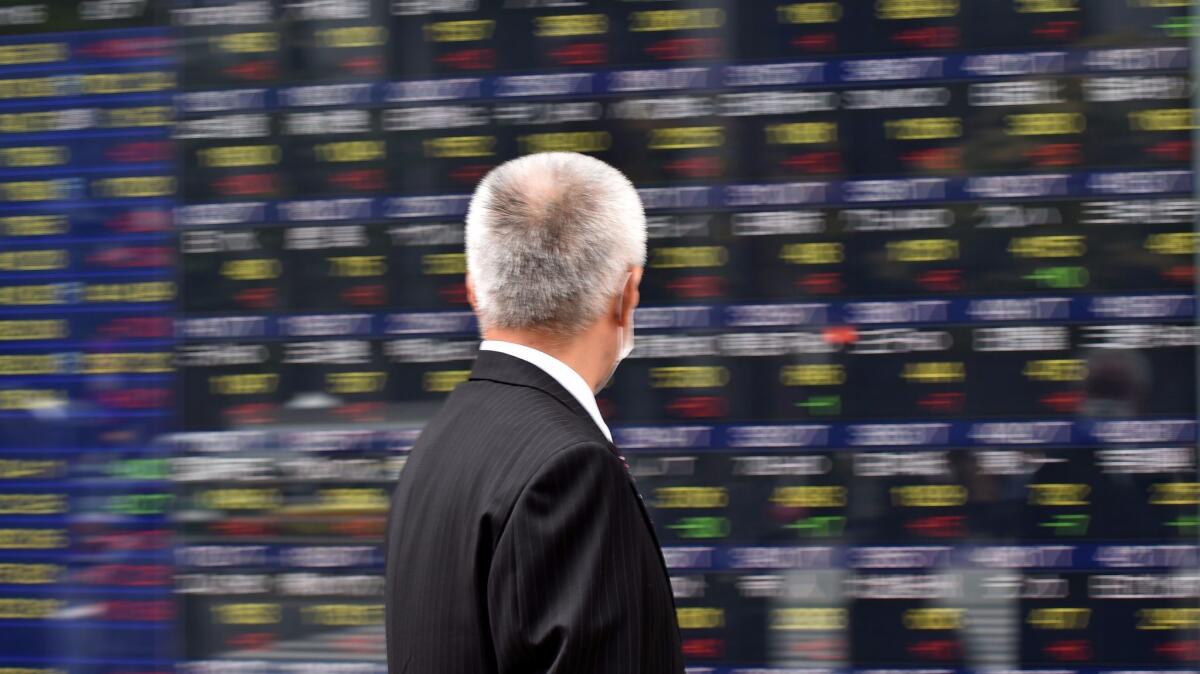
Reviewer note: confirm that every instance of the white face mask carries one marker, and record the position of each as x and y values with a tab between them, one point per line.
626	342
625	337
623	351
626	333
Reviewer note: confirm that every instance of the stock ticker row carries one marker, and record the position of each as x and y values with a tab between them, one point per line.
914	385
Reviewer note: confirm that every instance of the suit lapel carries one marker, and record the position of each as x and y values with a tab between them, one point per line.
645	513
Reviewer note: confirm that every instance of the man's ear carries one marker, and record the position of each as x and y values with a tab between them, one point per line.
470	292
630	296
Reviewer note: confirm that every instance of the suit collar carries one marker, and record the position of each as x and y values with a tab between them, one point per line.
562	373
505	369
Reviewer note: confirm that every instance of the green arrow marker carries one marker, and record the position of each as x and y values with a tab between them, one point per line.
823	525
1179	26
1182	522
702	527
822	404
1059	277
1068	525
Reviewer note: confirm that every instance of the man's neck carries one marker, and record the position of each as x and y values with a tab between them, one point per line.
576	354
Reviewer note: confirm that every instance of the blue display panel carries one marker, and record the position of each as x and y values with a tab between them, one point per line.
88	295
914	385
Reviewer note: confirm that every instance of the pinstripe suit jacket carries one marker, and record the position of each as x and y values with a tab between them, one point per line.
518	544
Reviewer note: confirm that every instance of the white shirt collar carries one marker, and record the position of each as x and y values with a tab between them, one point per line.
560	371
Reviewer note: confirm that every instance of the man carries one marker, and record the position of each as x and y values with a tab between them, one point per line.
517	542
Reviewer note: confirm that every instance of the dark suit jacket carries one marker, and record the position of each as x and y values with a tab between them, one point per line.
517	542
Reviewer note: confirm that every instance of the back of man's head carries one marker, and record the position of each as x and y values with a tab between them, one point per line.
550	240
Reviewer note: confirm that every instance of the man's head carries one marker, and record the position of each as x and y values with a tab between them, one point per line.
556	243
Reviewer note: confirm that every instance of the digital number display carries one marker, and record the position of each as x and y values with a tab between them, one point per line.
914	382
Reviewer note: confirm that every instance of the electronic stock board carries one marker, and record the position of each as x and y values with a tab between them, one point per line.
914	385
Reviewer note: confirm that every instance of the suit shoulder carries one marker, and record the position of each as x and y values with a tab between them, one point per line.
489	438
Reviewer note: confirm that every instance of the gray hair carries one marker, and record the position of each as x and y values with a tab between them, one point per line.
550	238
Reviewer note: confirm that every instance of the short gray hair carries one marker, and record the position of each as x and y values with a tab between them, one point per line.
549	240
